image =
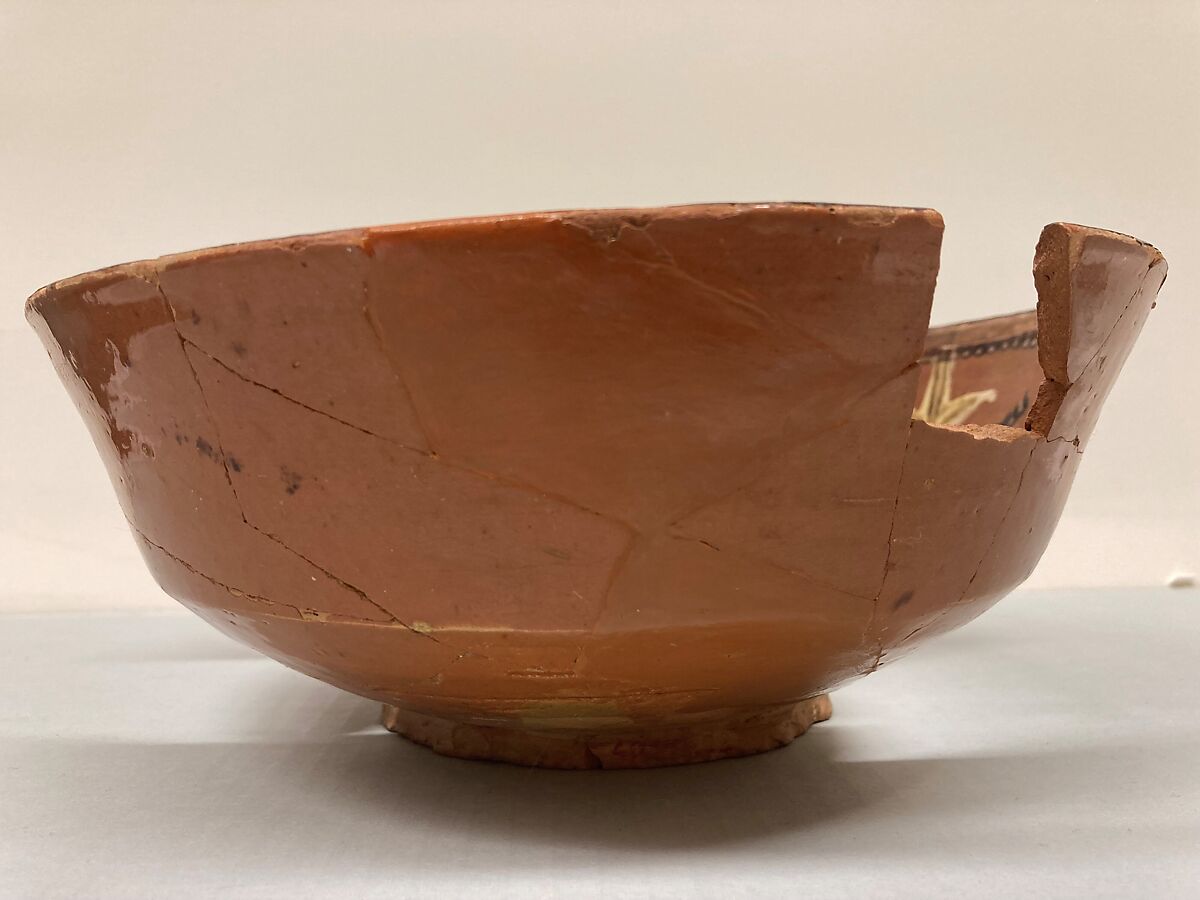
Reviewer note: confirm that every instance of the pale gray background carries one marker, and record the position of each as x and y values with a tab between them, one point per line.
1047	751
133	129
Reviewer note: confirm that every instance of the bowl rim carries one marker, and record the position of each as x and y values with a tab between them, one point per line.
147	269
363	236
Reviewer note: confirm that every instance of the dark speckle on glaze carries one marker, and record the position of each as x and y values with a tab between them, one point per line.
291	480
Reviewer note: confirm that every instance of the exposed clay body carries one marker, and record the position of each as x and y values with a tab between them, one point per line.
616	488
570	743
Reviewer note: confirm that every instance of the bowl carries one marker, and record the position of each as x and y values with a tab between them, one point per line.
587	489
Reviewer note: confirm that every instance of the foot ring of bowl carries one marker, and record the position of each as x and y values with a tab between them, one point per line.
739	733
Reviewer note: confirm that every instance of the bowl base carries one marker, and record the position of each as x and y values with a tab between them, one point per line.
663	743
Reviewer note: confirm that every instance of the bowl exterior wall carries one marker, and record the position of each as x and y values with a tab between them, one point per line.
583	469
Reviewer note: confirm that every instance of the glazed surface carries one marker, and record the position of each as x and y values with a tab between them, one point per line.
607	468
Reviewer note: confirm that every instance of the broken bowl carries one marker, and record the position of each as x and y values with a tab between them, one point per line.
593	489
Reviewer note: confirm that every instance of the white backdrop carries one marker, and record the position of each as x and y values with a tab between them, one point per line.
132	129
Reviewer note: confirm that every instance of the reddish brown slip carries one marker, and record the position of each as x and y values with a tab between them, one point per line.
610	488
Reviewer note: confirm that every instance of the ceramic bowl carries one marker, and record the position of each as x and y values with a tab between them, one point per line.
593	489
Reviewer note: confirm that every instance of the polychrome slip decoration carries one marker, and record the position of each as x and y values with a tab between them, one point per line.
960	385
963	381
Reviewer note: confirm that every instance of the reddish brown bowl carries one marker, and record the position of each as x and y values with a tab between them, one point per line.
579	489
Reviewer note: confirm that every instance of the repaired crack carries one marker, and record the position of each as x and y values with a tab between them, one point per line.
235	592
1055	303
794	571
887	560
617	567
505	480
278	393
999	527
154	280
1141	288
610	237
1055	402
742	302
1051	386
392	618
526	487
785	443
396	370
224	458
874	630
602	228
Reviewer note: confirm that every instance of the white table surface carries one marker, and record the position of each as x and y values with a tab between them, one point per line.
1050	749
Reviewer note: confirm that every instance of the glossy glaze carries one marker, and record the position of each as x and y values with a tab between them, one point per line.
563	482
